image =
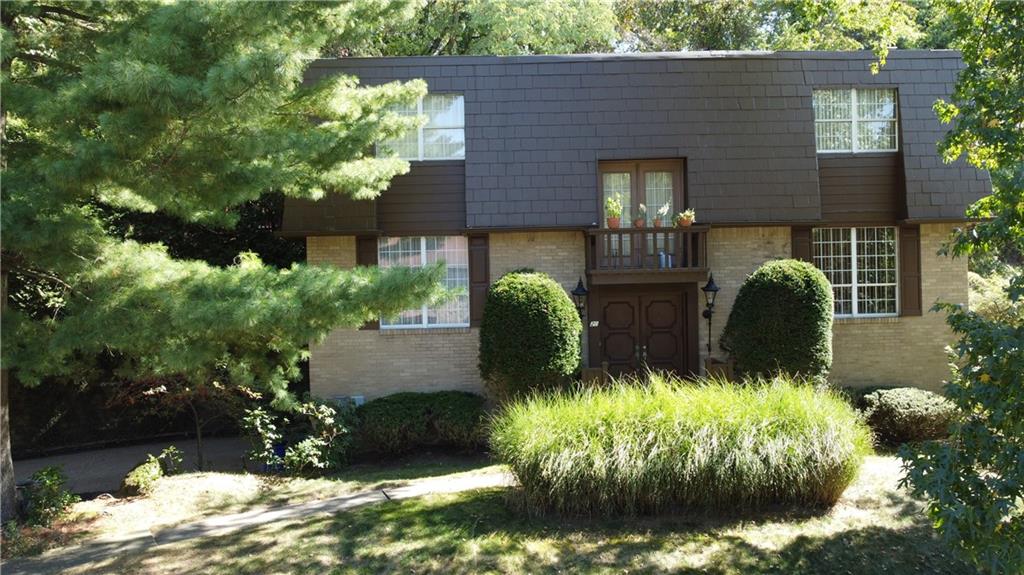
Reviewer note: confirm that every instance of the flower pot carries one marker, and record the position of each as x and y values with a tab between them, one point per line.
638	223
613	223
684	223
657	222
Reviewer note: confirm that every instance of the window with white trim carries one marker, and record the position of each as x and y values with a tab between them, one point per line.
420	251
861	265
442	138
855	120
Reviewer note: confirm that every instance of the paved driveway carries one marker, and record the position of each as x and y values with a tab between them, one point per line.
101	470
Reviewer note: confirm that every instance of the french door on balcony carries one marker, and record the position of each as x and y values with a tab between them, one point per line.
655	184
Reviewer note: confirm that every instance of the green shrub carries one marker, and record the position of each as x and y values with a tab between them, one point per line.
529	335
906	414
316	439
782	321
405	421
171	459
633	449
46	496
142	478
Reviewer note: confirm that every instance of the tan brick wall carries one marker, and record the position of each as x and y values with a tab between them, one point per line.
734	254
561	255
905	350
336	250
890	351
373	363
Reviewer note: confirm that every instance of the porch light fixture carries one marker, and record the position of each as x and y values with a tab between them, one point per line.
579	295
710	290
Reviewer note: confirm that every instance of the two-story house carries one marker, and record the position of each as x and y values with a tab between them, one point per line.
784	154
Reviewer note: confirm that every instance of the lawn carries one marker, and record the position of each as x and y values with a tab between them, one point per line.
875	528
190	496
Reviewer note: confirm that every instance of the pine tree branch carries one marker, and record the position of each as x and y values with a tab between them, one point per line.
45	9
39	59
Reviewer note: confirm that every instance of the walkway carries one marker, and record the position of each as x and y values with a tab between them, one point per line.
101	470
59	560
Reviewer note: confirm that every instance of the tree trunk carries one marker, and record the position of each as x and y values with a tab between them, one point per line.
8	494
199	436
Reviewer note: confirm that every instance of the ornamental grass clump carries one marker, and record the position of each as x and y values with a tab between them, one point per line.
637	448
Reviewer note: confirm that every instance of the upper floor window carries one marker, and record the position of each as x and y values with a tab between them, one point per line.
443	137
855	120
419	251
861	265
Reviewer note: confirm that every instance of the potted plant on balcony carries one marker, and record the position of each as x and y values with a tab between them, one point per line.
662	214
613	211
686	218
641	216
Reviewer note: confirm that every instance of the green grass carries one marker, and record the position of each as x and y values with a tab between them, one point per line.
645	448
188	497
875	528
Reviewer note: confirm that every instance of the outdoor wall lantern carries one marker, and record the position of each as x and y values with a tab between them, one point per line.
579	295
710	290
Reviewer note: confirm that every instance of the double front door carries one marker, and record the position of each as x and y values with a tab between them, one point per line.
642	327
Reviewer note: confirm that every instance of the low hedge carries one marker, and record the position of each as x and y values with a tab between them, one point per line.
402	422
907	414
636	449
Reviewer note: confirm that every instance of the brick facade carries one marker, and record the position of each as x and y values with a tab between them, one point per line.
886	351
373	363
905	350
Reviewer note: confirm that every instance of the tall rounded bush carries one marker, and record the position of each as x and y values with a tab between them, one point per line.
632	449
529	335
782	321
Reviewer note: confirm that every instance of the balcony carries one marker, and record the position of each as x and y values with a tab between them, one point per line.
647	255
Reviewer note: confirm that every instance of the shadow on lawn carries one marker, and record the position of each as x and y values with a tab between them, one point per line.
476	532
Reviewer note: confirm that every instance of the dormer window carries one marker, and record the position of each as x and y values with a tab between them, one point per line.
442	138
855	120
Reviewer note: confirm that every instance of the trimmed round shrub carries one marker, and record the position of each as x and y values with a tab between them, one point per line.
637	449
781	321
529	335
907	414
402	422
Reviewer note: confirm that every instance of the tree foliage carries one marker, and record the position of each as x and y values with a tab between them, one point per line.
190	109
775	25
974	483
500	27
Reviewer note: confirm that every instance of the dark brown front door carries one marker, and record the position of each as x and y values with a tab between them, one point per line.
647	327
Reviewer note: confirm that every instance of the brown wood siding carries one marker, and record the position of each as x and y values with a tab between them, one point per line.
479	276
366	255
430	199
801	244
910	270
335	214
860	188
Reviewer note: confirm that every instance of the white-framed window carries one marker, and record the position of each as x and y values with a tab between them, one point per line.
442	138
861	265
855	120
419	251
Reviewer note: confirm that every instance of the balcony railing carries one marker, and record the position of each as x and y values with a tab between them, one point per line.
647	249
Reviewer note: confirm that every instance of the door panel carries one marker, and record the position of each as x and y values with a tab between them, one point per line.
645	327
619	333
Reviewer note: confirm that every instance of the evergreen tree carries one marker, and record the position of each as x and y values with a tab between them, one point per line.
189	109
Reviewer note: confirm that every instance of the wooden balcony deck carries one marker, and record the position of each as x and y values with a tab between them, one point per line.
647	255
